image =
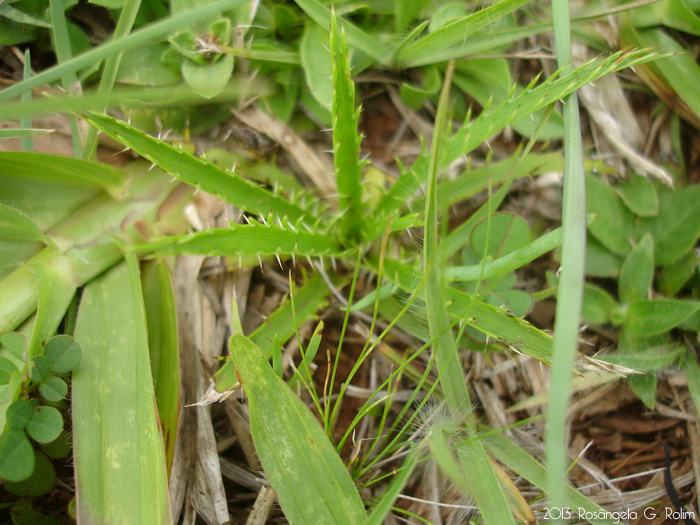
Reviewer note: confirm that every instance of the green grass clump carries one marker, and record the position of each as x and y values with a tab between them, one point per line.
93	249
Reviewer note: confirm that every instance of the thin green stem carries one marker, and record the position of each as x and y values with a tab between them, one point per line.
570	291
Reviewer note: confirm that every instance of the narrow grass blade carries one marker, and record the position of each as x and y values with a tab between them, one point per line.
120	465
43	167
356	36
247	239
23	133
111	67
528	467
492	121
308	300
136	38
302	465
61	42
26	121
570	293
163	346
383	507
483	484
458	31
346	139
198	172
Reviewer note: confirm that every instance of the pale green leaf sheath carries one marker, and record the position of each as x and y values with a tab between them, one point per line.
119	455
300	462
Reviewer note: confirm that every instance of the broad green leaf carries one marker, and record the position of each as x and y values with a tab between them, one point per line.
639	195
208	80
40	483
644	385
15	226
300	462
247	239
40	168
19	413
357	38
144	67
651	317
346	138
673	277
16	455
24	514
505	232
64	354
614	223
118	478
637	272
677	226
161	317
45	424
53	389
600	262
597	305
316	62
648	359
197	172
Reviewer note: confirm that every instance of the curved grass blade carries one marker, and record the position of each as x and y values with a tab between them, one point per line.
300	462
120	468
163	346
528	467
43	167
23	133
308	300
198	172
458	31
491	121
247	239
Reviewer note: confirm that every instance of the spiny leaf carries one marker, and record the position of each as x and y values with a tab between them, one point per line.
346	139
197	172
247	239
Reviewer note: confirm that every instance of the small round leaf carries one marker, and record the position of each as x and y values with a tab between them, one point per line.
40	368
16	455
506	233
39	483
64	354
45	425
19	413
53	389
59	447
